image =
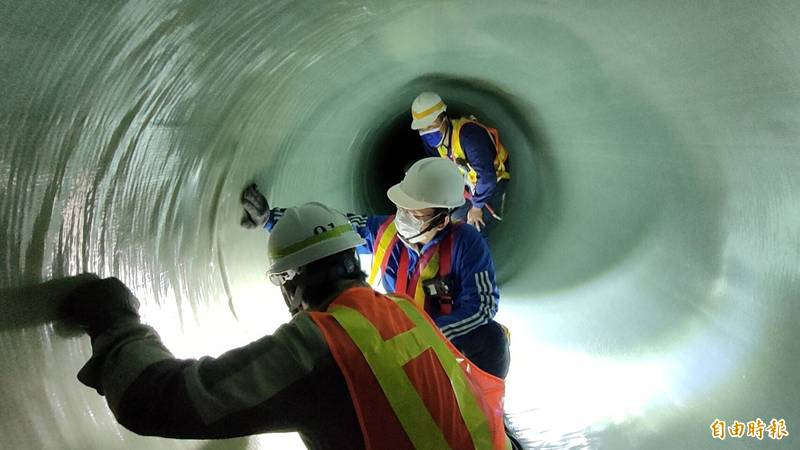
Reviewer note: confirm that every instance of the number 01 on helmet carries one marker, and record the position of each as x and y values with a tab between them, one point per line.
306	234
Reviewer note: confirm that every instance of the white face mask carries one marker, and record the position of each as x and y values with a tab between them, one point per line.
410	227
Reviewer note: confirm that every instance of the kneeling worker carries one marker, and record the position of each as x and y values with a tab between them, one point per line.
445	267
352	369
477	151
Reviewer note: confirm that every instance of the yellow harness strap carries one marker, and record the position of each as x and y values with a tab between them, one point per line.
431	269
458	152
384	240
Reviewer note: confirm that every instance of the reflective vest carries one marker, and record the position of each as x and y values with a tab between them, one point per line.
457	155
409	386
434	262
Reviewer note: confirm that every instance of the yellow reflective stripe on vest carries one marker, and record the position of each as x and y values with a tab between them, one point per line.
386	360
500	158
428	272
475	419
377	256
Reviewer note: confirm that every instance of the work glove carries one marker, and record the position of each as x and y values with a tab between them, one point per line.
256	207
101	304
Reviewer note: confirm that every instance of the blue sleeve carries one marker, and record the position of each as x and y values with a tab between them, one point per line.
275	215
430	151
480	151
366	226
476	295
252	389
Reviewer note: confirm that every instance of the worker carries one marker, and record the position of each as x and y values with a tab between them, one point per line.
477	151
445	267
352	369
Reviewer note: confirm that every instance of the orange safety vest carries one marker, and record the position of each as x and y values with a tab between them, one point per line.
434	262
456	152
409	385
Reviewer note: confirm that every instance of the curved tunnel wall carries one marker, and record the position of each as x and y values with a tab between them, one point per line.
648	260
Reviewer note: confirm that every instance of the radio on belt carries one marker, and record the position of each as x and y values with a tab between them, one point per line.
440	290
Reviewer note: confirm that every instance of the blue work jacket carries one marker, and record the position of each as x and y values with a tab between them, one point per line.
475	298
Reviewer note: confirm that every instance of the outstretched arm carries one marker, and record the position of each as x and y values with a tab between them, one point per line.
480	151
252	389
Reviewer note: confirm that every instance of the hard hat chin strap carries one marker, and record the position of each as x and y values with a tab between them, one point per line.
434	222
305	287
294	299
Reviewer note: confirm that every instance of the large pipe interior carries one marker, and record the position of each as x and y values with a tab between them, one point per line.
648	261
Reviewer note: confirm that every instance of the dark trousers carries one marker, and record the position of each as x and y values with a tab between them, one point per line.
487	347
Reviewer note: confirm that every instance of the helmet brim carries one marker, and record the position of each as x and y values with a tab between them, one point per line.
403	200
316	252
425	122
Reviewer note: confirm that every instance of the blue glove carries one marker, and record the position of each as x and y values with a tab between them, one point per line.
256	208
101	304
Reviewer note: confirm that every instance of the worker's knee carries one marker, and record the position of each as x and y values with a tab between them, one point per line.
487	347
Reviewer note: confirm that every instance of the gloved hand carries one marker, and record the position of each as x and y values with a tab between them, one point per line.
256	207
101	304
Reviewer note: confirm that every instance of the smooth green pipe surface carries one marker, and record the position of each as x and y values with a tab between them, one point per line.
648	261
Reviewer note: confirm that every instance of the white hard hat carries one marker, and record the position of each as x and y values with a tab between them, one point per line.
307	233
425	109
429	183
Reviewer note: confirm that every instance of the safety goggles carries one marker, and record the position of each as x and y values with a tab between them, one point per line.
279	279
420	219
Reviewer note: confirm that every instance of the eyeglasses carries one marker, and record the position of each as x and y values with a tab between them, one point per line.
424	218
279	279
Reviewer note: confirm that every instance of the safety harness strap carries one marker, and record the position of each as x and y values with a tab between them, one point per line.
385	239
401	282
446	252
427	268
457	152
435	262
